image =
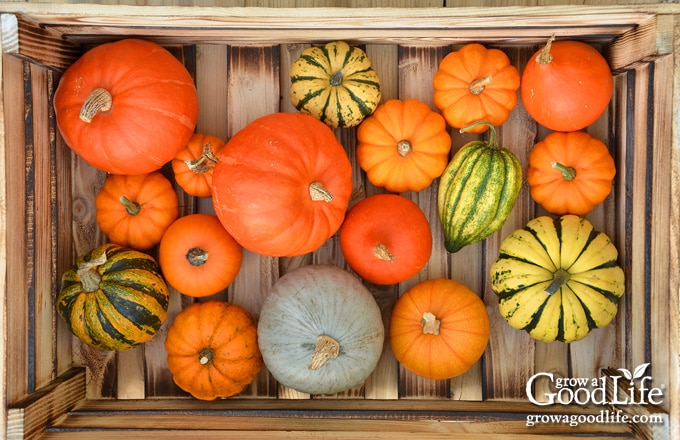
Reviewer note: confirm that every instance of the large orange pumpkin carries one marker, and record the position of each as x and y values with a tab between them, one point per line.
476	84
570	173
194	165
282	185
439	328
212	349
566	85
197	255
386	239
135	211
126	107
403	146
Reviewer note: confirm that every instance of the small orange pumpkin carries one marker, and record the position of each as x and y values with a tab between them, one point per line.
439	329
476	84
403	146
212	349
197	255
135	211
386	239
193	166
570	173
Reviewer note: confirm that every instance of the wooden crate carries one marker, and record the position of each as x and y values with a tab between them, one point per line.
54	387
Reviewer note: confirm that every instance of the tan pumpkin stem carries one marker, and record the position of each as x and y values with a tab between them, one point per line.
430	324
196	256
382	252
99	100
404	147
560	277
326	348
545	56
87	272
477	86
206	161
131	206
205	356
568	173
318	193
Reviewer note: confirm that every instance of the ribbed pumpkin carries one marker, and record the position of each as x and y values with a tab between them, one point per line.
212	349
335	83
403	145
126	107
557	278
194	165
477	191
282	185
114	298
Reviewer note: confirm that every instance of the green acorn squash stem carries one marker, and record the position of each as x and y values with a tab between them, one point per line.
560	277
87	272
493	136
131	207
336	78
205	356
326	348
568	173
430	324
99	100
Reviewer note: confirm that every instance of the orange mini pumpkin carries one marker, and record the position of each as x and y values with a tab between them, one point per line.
193	166
212	350
570	173
476	84
439	329
403	146
197	255
135	211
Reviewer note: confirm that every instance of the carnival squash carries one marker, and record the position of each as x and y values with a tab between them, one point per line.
320	330
477	191
386	239
476	84
282	185
566	85
557	278
212	349
403	145
126	107
439	328
114	298
135	210
194	165
197	255
570	173
335	83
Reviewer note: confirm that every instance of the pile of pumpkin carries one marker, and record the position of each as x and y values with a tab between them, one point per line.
281	187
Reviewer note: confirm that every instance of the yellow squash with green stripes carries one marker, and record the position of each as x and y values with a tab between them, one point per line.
477	191
557	278
335	83
114	298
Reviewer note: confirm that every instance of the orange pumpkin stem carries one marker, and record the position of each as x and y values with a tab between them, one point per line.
326	348
205	356
99	100
404	147
131	206
477	86
318	193
545	56
560	277
382	252
196	256
206	161
87	272
568	173
430	324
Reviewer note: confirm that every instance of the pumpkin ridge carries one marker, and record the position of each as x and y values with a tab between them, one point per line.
133	311
109	330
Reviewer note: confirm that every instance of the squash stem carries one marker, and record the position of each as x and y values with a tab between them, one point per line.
336	78
99	100
202	164
318	193
205	356
88	274
404	147
430	323
477	86
326	348
131	206
493	136
568	173
196	256
382	252
560	277
545	56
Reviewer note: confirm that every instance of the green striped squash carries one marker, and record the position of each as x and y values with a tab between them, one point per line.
557	278
335	83
477	191
114	298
